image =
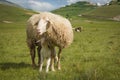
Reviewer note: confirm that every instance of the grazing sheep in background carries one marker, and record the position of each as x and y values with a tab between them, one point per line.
56	30
78	29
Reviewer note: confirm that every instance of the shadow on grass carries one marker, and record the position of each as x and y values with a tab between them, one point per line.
5	66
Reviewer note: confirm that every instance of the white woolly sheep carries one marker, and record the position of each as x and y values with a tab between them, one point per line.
55	29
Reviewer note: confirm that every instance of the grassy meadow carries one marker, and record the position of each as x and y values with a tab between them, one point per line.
93	55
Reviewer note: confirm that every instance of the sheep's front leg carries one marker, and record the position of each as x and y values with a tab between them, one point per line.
32	53
59	56
39	54
48	64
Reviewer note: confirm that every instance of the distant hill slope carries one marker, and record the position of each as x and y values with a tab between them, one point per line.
75	9
87	10
107	12
8	3
12	13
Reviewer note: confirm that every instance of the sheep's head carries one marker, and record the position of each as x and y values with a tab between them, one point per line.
43	25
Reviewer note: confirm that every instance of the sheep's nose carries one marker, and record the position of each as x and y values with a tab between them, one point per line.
38	31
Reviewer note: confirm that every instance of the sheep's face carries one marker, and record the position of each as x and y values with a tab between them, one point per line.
42	26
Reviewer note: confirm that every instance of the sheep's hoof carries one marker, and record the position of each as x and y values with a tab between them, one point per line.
59	68
47	71
34	66
40	70
53	70
38	65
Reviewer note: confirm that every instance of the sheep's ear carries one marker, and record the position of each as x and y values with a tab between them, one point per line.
34	19
36	23
48	24
47	19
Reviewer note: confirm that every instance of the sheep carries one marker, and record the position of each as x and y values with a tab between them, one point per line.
33	39
78	29
56	30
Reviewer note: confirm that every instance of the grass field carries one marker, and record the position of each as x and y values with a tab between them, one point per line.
94	54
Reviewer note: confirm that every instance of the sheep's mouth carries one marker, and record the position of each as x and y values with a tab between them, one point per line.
39	33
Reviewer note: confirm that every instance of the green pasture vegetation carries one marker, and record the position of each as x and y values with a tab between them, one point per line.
93	55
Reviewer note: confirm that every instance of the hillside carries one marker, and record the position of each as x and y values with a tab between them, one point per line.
104	12
13	13
8	3
75	9
85	9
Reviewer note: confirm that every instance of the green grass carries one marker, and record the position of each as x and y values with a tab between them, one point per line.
93	55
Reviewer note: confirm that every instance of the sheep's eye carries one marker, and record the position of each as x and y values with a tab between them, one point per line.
36	23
